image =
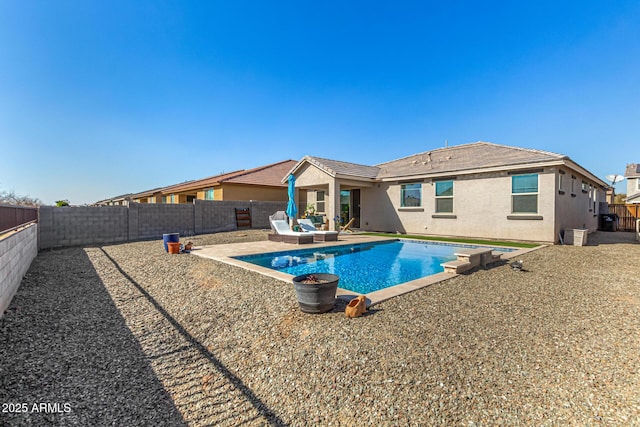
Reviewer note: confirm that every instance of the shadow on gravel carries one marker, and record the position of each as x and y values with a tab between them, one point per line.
261	408
68	358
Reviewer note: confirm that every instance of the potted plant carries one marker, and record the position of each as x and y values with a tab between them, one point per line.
311	210
316	292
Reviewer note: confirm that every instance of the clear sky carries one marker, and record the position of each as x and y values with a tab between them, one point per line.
102	98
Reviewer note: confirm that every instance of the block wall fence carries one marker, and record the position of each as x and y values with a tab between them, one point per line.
17	250
84	225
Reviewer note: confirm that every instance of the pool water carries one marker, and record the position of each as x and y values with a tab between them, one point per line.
365	267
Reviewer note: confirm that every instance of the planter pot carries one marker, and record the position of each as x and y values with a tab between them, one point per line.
174	247
316	297
170	237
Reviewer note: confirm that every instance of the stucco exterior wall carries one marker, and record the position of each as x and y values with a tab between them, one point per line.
252	192
575	209
481	208
310	176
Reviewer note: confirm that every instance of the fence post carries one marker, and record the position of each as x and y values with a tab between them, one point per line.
133	221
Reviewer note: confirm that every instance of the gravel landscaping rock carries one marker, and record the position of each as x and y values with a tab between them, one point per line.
129	335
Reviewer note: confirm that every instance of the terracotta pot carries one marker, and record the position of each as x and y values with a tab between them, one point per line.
356	307
174	247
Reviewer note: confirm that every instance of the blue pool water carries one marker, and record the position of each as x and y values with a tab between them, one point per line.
365	267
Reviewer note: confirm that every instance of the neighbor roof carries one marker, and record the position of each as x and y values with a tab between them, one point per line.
632	171
267	175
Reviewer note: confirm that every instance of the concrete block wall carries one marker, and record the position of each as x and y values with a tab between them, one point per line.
72	226
75	226
212	216
17	250
260	212
154	220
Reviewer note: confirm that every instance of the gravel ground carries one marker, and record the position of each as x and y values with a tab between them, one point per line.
129	335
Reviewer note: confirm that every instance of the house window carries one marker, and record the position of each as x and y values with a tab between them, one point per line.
561	182
584	187
411	195
444	197
524	193
320	201
638	184
573	184
208	194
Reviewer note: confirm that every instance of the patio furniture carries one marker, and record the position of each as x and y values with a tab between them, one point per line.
284	234
278	215
347	226
318	235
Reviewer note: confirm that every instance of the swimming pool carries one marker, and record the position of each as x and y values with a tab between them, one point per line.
365	267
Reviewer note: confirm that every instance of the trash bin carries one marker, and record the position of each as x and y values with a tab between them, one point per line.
575	236
608	222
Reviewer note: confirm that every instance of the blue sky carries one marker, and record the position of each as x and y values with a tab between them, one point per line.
98	99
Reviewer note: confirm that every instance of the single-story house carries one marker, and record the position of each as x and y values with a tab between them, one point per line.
261	183
632	173
480	190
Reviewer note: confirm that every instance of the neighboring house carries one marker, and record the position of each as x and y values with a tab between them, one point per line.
632	173
476	190
261	183
115	201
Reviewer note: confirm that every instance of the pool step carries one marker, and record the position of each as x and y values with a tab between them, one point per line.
457	266
470	258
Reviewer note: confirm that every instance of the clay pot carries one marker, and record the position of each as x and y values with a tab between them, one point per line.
174	247
356	307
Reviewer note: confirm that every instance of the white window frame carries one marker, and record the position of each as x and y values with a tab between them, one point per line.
527	194
437	210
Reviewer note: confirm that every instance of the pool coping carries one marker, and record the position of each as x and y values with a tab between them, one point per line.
225	253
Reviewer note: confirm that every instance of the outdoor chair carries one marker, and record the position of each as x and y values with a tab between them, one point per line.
284	234
318	235
278	215
347	226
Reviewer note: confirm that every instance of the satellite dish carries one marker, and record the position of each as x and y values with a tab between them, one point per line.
615	178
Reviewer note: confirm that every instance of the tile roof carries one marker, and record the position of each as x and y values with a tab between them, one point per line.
269	175
632	171
477	155
333	167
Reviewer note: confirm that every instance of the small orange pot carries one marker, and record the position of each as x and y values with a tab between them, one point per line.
174	247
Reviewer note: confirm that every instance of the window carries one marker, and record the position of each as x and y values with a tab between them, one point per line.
638	184
524	193
208	194
573	185
561	182
584	187
411	195
320	201
444	197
